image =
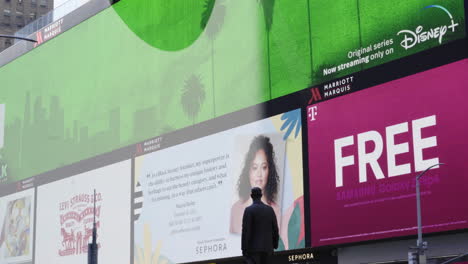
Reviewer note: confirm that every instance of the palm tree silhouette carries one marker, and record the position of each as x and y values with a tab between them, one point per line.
193	96
213	23
268	15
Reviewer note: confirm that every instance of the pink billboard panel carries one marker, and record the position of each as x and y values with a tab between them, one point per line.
366	148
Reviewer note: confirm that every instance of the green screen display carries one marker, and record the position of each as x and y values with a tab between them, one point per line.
142	68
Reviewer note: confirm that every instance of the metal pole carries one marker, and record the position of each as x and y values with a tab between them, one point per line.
455	258
93	247
16	37
418	207
419	244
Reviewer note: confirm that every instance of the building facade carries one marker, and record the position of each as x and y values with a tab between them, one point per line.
16	14
159	106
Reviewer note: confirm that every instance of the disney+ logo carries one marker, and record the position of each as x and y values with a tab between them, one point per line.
419	35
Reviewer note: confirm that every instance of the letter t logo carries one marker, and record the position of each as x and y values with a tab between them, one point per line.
312	112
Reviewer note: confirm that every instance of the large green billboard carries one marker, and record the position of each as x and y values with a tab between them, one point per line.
144	68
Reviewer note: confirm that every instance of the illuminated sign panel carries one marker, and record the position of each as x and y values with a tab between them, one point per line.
366	148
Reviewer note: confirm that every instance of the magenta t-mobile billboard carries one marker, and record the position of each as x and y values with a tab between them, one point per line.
366	148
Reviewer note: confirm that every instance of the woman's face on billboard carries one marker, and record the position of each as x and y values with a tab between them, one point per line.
259	170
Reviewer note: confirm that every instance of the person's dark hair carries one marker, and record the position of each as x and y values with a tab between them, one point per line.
271	188
256	193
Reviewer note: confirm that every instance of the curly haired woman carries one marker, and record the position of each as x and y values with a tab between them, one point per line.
259	170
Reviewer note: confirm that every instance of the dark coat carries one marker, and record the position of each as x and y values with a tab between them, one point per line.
259	228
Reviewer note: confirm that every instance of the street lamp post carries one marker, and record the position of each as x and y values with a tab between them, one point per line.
421	246
16	37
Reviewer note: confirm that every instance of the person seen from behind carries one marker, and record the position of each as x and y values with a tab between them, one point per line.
259	230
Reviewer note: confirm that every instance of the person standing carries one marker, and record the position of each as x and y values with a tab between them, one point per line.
259	230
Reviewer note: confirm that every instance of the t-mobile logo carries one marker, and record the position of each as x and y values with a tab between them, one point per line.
312	112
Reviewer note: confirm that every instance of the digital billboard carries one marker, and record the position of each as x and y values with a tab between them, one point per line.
65	216
17	227
366	148
163	94
193	195
348	36
68	95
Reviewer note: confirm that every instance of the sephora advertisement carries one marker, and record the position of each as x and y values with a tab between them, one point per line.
193	195
65	216
366	148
